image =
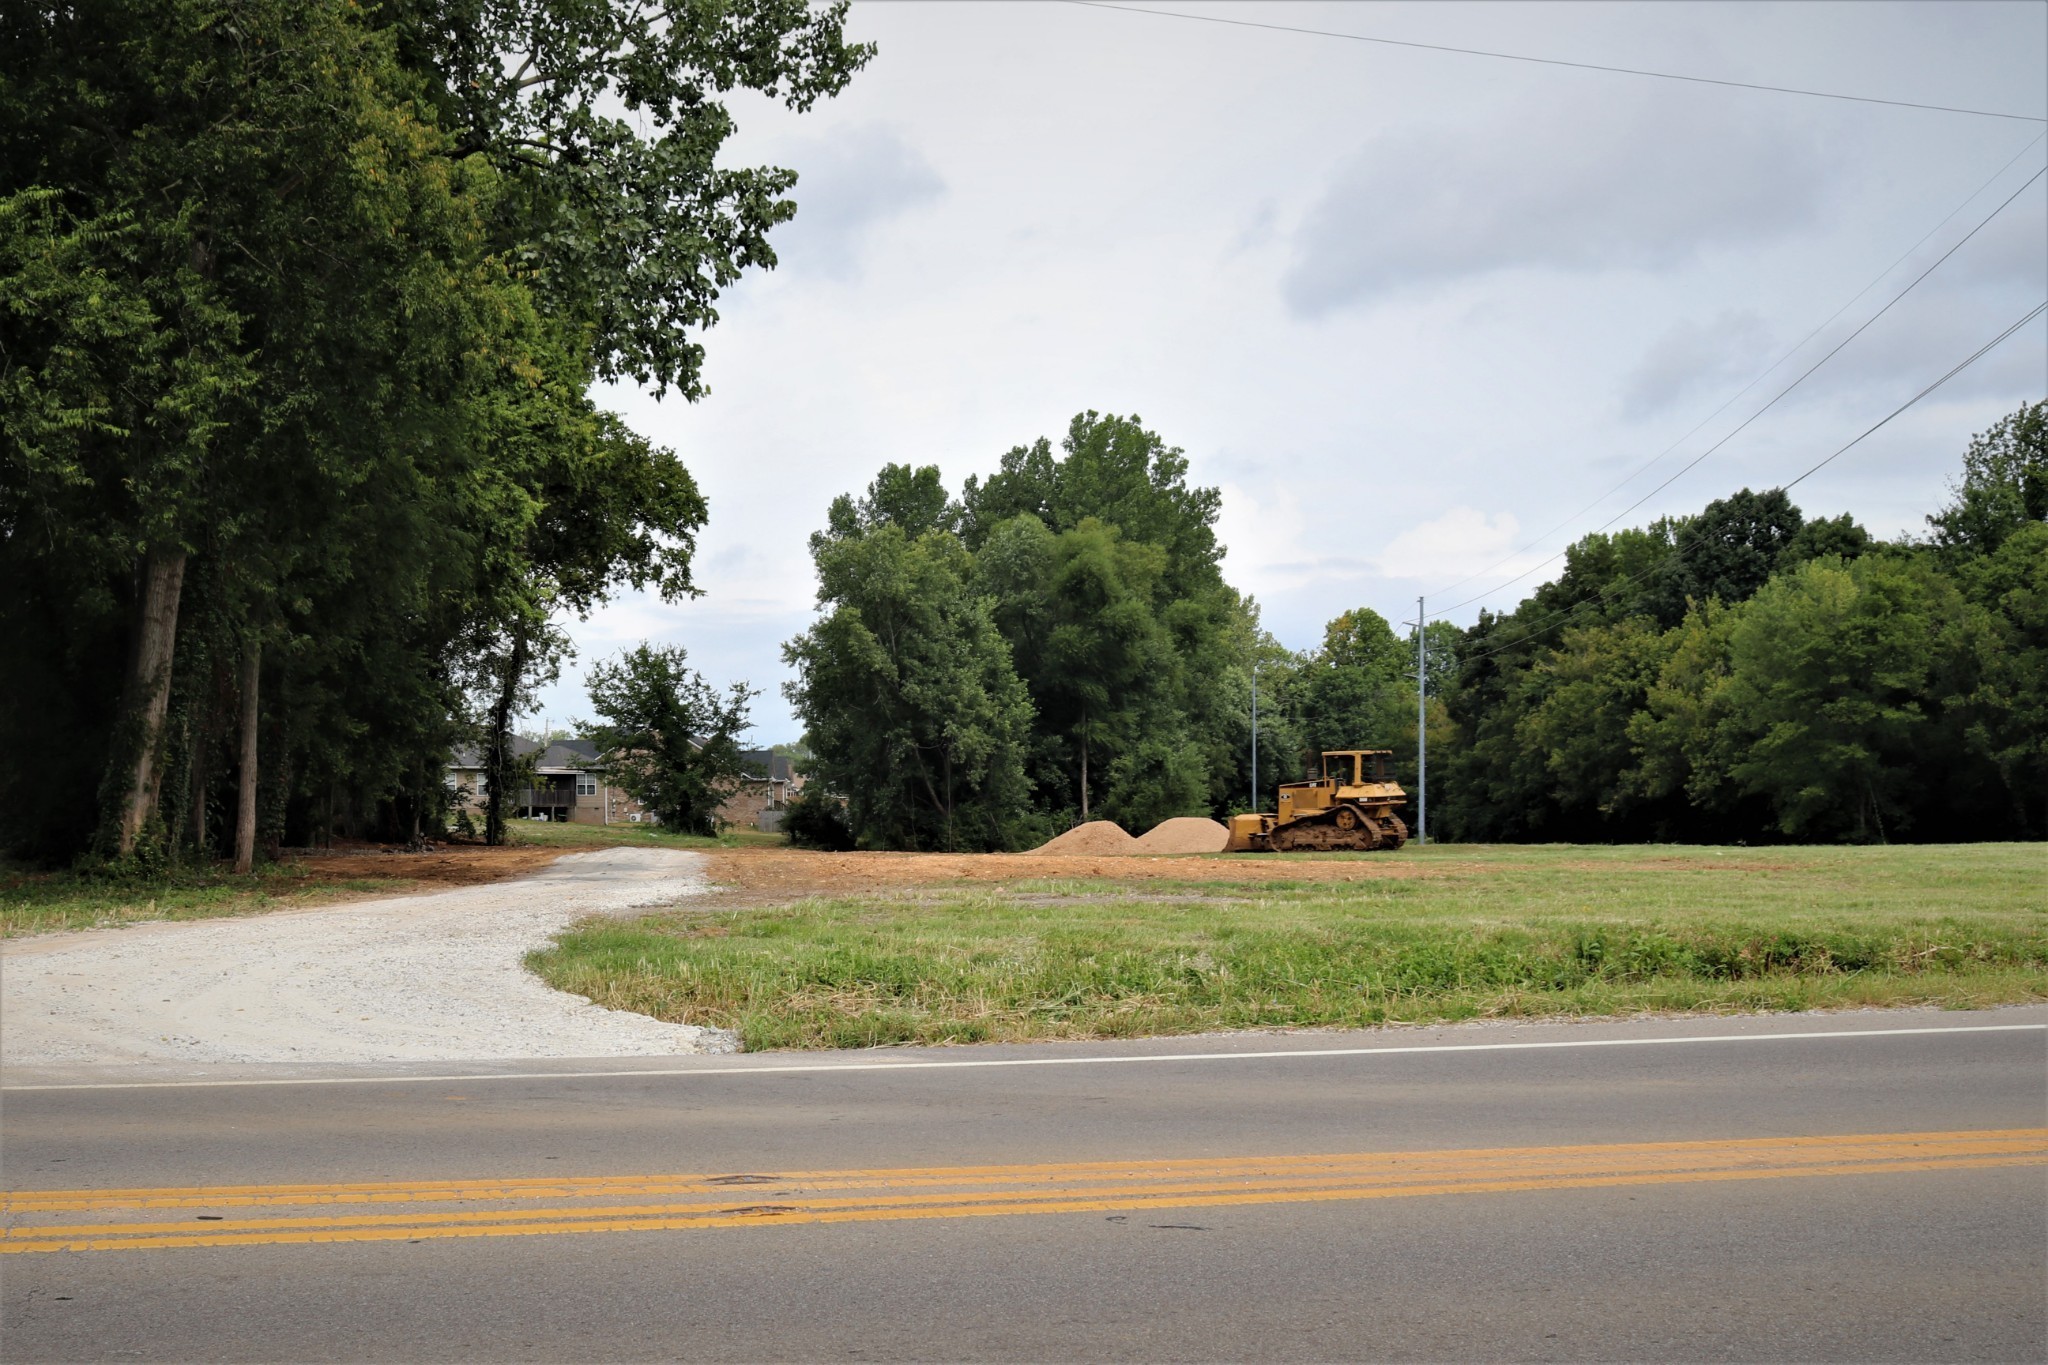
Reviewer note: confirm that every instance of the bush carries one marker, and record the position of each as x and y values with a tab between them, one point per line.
815	820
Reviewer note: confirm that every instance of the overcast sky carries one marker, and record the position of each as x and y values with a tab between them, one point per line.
1410	310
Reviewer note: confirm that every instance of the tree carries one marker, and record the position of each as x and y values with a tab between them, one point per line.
1830	696
1160	715
906	688
1594	683
1726	553
2004	486
302	306
669	738
2004	712
1358	690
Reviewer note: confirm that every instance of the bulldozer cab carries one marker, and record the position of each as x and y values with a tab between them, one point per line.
1355	767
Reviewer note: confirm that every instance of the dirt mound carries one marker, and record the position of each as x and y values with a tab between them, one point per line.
1186	834
1096	837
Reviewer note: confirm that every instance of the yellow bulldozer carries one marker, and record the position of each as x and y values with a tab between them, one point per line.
1351	806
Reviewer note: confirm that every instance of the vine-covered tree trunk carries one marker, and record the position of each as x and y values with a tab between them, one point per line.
138	772
498	760
245	802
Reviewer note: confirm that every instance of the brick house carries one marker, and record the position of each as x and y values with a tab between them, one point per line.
569	784
763	792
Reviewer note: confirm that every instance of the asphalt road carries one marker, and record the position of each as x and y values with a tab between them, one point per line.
1721	1191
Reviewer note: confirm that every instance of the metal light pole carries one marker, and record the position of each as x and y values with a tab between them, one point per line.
1421	730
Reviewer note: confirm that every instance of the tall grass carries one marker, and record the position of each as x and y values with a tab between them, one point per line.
1482	933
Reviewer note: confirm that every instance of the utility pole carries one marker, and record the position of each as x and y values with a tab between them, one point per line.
1421	730
1255	737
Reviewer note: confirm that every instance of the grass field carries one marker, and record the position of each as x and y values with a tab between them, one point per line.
1449	932
546	834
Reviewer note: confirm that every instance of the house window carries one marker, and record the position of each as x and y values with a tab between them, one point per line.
586	785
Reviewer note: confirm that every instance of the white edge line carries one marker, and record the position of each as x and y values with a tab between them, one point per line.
443	1079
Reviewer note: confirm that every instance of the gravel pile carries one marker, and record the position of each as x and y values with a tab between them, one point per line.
1094	838
1186	834
1106	838
416	978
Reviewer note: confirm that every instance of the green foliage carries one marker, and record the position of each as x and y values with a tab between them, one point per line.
817	820
1814	684
906	687
669	739
1057	645
2004	486
304	301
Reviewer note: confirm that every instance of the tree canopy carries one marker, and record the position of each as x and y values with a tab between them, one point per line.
300	306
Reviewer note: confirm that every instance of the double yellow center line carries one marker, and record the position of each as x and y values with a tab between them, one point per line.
408	1211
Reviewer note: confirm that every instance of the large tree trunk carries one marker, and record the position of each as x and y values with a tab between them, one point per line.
498	758
147	696
245	803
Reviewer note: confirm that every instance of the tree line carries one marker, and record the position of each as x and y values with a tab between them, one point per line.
1058	644
300	306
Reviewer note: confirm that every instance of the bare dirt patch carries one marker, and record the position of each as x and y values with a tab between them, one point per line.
763	875
444	865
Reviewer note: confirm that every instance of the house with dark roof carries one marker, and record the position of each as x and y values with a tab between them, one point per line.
567	783
767	782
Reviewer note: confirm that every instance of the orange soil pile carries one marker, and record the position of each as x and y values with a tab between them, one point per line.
1095	838
1185	834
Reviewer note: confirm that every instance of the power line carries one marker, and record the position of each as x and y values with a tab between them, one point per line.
1973	358
1803	377
1557	61
1606	592
1768	371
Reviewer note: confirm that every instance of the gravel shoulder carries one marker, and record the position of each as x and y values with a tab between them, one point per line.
428	977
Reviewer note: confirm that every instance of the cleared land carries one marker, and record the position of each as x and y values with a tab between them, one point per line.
852	950
40	902
37	902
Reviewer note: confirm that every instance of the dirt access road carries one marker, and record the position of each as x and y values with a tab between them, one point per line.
438	974
403	978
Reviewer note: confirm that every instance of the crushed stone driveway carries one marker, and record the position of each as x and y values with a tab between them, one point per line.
436	977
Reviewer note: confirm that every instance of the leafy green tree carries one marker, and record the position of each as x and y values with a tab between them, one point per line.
906	690
301	305
669	738
1831	693
1159	717
1724	554
2004	714
1592	686
1358	690
2004	486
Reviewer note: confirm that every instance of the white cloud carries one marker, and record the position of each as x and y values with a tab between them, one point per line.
848	186
1462	541
1586	184
1696	357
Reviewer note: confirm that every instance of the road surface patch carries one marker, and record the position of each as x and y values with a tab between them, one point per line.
261	1215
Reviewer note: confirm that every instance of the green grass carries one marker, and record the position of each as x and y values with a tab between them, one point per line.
46	902
554	834
1475	932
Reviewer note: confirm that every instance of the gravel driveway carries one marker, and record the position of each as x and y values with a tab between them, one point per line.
415	978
